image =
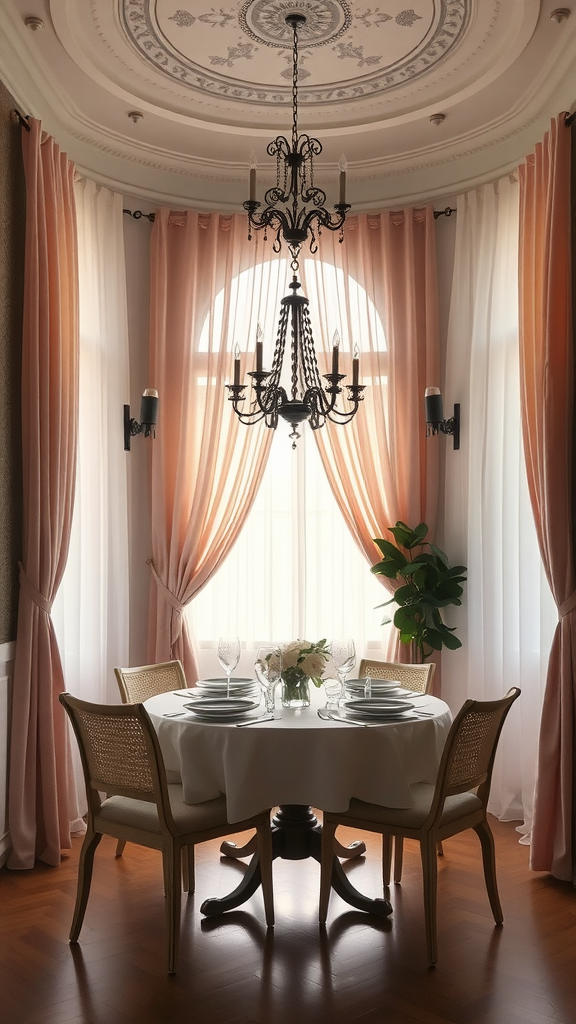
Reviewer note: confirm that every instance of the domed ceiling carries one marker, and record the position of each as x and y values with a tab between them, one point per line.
166	99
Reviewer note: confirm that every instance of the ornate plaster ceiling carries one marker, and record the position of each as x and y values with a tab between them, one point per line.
212	82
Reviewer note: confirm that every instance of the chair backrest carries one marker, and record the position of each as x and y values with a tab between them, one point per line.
413	677
120	754
468	756
138	684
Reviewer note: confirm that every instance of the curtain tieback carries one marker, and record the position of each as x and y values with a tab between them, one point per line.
173	601
33	593
568	606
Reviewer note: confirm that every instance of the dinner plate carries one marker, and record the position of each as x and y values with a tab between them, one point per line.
221	708
379	708
356	718
220	683
217	687
356	687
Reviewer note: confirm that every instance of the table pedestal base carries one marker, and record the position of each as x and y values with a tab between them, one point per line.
296	835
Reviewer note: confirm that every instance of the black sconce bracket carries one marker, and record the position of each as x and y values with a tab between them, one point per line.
131	428
451	426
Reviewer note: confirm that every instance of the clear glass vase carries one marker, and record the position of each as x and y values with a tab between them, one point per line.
296	692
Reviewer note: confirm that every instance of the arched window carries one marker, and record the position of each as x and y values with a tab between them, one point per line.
295	570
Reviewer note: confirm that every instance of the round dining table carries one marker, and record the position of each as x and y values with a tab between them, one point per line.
296	762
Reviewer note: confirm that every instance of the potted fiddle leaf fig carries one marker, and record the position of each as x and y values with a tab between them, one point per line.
426	585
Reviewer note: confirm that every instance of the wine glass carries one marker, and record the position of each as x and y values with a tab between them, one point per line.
228	656
268	669
343	655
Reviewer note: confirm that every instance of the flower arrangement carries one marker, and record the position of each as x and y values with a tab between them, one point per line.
303	660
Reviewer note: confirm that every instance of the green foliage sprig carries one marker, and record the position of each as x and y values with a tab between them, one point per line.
427	585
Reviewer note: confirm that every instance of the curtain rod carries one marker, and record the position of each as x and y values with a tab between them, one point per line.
22	120
138	214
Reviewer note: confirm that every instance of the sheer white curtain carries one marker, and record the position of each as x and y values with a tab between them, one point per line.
91	609
508	617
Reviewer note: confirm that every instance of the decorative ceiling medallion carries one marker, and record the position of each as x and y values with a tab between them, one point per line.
265	21
372	49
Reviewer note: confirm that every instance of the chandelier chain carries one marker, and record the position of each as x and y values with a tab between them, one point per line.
295	91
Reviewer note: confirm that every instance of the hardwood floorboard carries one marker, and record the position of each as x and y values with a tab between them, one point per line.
232	970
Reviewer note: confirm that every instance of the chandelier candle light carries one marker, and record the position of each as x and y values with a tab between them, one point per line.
295	211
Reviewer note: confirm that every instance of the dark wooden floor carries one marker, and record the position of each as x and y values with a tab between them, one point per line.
232	971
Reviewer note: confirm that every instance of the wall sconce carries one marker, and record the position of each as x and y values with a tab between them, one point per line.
148	418
435	417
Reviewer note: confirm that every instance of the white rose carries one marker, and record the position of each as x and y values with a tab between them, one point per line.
291	653
313	665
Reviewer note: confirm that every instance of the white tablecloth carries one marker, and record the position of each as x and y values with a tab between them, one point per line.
300	759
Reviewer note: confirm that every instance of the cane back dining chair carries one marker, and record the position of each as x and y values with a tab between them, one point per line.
121	756
419	679
455	803
136	685
412	677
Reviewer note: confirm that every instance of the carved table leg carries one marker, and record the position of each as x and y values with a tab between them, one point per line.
296	835
356	849
229	849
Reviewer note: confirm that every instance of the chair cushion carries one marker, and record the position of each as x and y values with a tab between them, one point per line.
412	817
142	814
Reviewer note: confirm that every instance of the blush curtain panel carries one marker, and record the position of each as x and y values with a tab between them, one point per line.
381	467
41	793
206	466
547	389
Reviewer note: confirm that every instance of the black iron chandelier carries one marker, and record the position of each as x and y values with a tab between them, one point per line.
295	212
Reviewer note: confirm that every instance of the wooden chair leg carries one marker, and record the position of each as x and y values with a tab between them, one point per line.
265	861
328	831
430	885
120	847
386	858
85	865
171	864
188	869
484	833
398	857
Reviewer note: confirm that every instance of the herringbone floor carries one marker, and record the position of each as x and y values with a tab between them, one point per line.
232	971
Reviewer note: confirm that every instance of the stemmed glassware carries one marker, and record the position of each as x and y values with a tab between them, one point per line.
268	670
228	656
343	655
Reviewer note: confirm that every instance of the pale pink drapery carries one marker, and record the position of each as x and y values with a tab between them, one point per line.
40	769
206	466
381	467
547	383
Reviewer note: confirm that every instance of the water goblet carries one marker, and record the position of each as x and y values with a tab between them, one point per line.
333	690
268	670
343	655
228	656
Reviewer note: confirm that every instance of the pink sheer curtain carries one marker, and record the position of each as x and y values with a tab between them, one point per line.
206	466
547	382
41	794
381	467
